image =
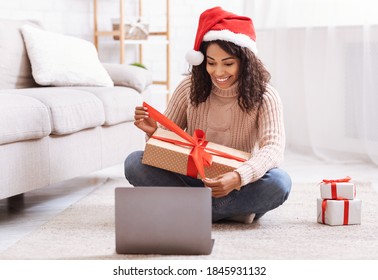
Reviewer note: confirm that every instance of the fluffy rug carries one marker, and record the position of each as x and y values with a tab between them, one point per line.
86	231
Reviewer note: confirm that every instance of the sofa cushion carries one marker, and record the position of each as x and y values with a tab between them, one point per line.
119	103
70	110
15	70
22	118
129	76
61	60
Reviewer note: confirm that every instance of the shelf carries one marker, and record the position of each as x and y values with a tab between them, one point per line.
154	38
140	42
146	42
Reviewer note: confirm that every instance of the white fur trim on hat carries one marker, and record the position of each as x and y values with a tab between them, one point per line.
236	38
194	57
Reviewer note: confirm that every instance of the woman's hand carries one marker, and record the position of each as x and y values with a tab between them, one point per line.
143	121
223	184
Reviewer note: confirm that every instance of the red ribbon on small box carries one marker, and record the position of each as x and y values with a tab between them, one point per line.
346	210
333	185
200	155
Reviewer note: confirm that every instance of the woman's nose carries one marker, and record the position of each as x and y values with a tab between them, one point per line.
219	71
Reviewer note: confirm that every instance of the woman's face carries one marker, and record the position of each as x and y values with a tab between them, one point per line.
222	67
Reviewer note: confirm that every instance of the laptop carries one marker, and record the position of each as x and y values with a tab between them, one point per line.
163	220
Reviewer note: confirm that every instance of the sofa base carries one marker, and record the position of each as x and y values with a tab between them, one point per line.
15	203
33	164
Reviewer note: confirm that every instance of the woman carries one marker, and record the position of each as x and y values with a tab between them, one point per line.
227	96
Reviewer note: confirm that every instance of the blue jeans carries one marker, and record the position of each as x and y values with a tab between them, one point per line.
258	197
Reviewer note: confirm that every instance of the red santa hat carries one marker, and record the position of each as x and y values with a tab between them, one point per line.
218	24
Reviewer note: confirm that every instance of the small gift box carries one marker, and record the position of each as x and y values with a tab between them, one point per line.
339	212
134	29
177	151
337	189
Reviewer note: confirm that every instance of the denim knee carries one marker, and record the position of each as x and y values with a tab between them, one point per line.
281	181
132	163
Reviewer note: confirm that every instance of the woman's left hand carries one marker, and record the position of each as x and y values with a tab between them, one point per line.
223	184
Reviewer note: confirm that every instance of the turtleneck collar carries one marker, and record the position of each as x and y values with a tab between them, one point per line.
232	91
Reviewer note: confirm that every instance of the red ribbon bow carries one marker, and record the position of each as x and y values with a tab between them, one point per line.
343	180
198	157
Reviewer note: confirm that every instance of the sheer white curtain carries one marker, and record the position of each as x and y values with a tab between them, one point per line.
323	57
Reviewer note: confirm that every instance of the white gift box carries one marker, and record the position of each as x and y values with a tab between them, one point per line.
339	212
345	190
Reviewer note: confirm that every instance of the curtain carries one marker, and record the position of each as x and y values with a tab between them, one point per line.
323	58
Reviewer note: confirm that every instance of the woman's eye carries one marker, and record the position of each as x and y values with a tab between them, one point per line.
210	63
229	64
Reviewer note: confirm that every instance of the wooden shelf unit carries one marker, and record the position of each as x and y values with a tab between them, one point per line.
122	42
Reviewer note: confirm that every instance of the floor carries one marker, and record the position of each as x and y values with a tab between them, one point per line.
40	206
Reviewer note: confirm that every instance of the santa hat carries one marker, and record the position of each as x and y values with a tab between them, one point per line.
218	24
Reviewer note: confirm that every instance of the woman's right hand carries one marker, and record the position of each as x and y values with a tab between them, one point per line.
143	121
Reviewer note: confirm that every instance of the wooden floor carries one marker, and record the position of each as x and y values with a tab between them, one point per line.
40	206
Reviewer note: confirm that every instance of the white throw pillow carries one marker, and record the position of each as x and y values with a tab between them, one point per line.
60	60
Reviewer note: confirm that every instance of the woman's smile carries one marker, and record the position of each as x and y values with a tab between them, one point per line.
221	80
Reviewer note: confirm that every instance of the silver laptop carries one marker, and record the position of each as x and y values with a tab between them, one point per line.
163	220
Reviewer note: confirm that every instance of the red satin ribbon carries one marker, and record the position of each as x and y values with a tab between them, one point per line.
346	210
334	183
198	156
343	180
333	190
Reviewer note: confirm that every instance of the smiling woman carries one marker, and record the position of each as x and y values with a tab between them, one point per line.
227	96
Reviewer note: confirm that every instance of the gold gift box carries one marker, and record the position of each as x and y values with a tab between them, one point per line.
174	157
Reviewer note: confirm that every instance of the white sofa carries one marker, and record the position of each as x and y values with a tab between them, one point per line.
52	133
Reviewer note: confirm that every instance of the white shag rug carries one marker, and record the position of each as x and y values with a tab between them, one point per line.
86	231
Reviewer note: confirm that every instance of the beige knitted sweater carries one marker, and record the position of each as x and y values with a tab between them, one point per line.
260	132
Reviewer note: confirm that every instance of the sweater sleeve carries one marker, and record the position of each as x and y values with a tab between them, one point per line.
178	104
271	139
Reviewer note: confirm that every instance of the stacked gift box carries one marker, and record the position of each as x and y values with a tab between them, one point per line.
338	204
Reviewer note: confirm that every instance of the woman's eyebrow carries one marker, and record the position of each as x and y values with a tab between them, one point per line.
231	57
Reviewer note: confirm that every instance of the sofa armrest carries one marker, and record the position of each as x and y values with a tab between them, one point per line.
129	76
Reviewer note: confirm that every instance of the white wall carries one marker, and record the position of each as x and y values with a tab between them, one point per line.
75	17
71	17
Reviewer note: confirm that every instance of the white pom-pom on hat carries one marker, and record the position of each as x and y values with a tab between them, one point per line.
218	24
194	57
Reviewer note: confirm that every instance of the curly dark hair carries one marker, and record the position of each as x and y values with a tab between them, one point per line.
252	79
